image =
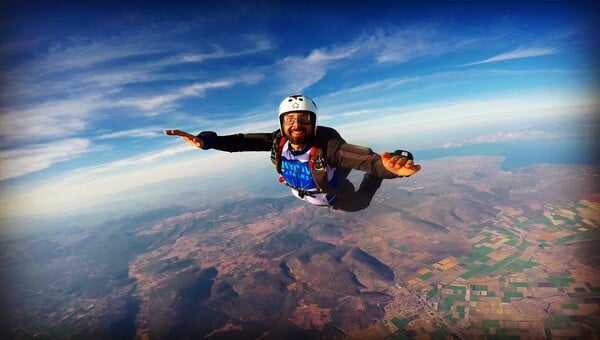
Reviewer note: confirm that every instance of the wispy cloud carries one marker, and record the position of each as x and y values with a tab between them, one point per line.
519	53
403	44
143	159
86	188
421	122
302	72
407	44
76	85
25	160
54	119
87	51
194	90
499	137
258	44
133	133
395	45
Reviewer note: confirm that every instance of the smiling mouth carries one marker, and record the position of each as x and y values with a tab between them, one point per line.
299	132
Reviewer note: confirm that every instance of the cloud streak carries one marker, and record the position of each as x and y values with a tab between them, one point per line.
67	90
500	137
143	159
25	160
405	44
259	44
194	90
519	53
54	119
150	132
389	46
301	72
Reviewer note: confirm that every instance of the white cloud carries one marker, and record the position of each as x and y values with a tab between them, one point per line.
400	45
194	90
89	53
252	126
150	132
135	161
408	43
90	73
420	123
84	188
25	160
363	113
499	137
519	53
258	44
321	56
302	72
48	120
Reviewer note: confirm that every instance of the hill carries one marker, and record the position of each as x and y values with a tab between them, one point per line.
461	249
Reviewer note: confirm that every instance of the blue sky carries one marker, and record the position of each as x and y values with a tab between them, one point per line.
88	91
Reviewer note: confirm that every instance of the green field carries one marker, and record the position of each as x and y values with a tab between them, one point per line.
508	294
560	281
485	270
400	323
571	306
426	276
490	323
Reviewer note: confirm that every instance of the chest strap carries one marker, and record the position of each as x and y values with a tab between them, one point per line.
302	193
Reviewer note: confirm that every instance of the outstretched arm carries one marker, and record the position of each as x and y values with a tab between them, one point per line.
400	165
386	165
186	137
230	143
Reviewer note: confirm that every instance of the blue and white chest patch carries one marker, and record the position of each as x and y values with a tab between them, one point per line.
296	173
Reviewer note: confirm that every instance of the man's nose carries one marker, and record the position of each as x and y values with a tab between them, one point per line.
296	123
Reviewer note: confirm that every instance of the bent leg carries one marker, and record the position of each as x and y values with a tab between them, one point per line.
369	186
350	200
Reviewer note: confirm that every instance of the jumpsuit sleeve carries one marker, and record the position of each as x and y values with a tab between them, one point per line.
237	142
344	155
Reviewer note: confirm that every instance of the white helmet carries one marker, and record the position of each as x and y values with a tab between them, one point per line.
298	103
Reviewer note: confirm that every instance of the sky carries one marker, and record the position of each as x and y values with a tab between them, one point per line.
87	91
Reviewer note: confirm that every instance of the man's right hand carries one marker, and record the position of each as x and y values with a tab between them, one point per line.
188	138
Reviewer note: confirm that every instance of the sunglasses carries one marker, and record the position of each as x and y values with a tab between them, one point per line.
304	120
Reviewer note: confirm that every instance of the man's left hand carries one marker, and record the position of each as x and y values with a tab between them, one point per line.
399	165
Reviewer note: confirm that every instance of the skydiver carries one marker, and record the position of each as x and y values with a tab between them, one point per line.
314	161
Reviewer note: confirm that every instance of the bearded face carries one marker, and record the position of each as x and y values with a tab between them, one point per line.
298	128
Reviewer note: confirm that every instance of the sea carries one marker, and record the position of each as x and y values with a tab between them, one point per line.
571	151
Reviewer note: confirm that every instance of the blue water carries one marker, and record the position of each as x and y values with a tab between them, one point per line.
573	151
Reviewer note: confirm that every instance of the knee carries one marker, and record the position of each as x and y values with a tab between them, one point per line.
351	204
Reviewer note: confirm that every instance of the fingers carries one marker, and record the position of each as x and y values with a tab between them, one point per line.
172	132
188	138
386	157
399	165
412	166
398	162
178	133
